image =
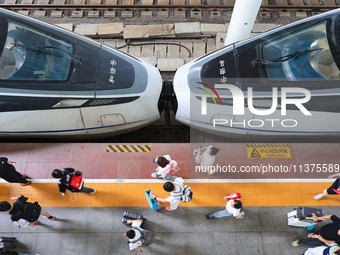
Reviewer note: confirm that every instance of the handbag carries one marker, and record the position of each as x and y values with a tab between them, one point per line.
154	204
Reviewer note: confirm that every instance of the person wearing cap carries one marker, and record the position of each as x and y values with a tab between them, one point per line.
10	174
134	235
65	181
17	212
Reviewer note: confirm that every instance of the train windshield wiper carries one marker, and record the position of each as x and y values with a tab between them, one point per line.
77	59
74	57
283	58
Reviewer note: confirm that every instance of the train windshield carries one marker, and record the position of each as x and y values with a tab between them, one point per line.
302	55
29	54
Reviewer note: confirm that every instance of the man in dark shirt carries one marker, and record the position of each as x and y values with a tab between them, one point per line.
8	172
327	234
17	212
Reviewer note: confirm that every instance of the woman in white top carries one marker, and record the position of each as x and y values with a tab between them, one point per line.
233	208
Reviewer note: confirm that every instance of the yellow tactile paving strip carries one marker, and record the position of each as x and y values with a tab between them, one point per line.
205	194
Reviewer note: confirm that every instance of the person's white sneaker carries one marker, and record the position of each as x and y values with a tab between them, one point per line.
154	175
318	197
296	243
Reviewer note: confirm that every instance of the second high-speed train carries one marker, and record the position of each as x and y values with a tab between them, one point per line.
282	83
58	84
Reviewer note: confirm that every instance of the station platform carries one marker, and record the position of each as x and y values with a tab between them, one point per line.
91	224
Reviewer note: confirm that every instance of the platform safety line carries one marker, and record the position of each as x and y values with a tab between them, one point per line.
188	180
128	148
122	147
147	148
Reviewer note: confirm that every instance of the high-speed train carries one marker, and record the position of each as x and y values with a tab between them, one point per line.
56	83
282	83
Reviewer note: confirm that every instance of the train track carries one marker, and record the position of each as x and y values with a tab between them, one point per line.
165	7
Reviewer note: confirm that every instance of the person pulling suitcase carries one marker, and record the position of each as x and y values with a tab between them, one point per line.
326	235
137	236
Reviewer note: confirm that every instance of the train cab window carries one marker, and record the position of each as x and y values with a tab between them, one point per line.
303	55
29	54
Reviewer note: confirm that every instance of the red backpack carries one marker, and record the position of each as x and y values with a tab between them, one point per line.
77	181
234	196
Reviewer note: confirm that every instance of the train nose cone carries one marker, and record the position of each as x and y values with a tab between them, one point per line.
182	91
152	91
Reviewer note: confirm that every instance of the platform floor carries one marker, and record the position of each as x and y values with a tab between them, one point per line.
92	231
91	224
39	159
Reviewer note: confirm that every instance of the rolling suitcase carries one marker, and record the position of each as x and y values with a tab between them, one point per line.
303	212
154	204
131	216
302	216
7	243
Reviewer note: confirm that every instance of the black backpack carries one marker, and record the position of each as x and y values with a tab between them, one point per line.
31	211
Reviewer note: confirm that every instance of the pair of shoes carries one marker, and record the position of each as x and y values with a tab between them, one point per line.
318	197
310	235
51	217
210	216
296	243
94	191
25	184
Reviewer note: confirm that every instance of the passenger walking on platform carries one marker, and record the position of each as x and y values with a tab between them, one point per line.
233	208
333	249
165	165
10	174
138	236
24	213
71	180
332	190
176	189
11	253
327	234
